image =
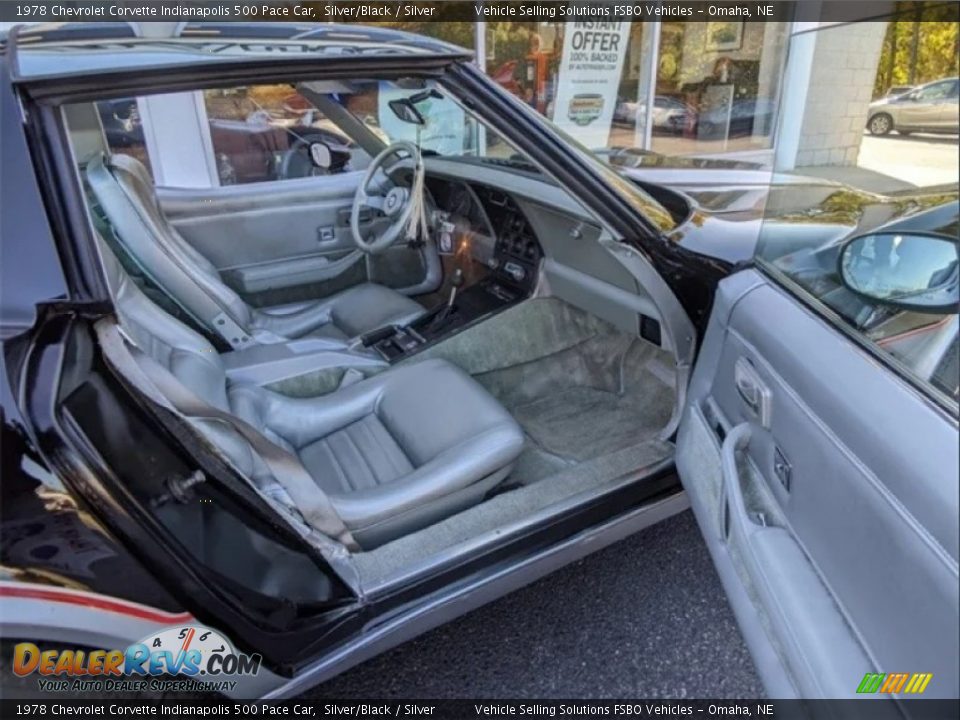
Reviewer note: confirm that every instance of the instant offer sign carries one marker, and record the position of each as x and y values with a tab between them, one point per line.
590	68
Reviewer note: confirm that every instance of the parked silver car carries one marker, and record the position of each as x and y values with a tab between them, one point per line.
929	108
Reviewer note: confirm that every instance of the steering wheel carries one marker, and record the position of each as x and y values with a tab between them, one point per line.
397	204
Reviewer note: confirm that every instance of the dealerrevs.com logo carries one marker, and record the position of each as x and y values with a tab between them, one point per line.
203	658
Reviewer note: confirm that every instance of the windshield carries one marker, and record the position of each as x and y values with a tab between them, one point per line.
451	130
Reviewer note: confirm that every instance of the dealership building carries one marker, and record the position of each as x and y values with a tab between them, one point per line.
785	94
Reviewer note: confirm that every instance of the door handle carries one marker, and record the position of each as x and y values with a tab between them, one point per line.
733	508
753	391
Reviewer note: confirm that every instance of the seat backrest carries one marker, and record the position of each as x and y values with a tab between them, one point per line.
125	191
195	364
184	352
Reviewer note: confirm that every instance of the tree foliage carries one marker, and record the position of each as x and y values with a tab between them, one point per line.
918	48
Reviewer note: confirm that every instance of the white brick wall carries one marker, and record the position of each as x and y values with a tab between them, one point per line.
841	85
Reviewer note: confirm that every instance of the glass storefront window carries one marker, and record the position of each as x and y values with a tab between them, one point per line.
522	57
717	86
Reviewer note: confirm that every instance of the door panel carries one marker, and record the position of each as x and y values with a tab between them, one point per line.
949	117
827	490
922	113
290	240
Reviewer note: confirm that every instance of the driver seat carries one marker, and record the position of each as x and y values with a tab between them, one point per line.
125	191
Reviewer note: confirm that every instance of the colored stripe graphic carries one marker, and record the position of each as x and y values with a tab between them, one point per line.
870	683
92	600
918	683
894	683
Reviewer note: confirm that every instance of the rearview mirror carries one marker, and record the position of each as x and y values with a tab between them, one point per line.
405	110
910	271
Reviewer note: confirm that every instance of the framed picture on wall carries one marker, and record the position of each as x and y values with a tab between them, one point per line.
724	36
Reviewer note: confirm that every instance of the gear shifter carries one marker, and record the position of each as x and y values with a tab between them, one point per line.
456	281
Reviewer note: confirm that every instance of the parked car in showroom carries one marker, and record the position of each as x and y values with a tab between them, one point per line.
669	114
930	108
744	117
313	417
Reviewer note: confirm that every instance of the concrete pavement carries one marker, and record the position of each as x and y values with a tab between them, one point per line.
892	163
921	160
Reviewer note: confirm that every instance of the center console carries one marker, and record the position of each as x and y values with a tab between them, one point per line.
512	276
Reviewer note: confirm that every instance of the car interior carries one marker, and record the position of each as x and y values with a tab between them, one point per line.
413	357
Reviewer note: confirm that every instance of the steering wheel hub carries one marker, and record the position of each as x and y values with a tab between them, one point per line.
395	201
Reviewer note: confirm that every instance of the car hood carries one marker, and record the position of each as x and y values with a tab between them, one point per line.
881	102
734	209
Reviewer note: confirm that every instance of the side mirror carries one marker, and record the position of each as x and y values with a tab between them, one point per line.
328	156
320	155
909	271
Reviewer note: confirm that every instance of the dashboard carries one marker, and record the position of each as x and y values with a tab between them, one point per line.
516	226
497	231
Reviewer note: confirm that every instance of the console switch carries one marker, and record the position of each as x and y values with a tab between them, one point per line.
515	271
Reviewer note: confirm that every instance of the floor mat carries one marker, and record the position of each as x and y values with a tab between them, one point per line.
578	386
582	422
536	463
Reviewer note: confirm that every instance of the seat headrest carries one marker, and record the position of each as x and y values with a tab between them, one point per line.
130	165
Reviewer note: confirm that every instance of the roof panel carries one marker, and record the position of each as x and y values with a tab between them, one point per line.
62	51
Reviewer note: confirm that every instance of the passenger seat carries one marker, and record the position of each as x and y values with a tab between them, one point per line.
392	453
124	189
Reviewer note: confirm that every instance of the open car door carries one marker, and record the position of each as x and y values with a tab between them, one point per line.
819	448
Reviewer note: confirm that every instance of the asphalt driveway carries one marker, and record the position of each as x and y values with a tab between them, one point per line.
643	618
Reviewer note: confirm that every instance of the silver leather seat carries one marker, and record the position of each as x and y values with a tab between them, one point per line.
392	453
125	191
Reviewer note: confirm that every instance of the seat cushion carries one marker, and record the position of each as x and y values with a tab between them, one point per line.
370	306
362	455
397	451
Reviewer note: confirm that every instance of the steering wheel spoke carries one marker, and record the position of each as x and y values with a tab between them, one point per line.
372	200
